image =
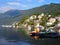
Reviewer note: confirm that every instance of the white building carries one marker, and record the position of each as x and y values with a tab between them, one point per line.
49	23
49	15
36	21
39	16
29	27
42	27
52	20
37	25
13	25
42	14
33	17
58	24
6	26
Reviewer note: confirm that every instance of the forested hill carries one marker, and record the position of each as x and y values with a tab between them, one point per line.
52	8
15	15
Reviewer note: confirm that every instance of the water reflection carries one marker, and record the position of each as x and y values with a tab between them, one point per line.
8	34
5	42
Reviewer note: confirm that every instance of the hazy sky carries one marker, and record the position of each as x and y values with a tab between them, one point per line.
23	4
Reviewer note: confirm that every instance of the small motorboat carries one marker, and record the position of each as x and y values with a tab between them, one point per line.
45	35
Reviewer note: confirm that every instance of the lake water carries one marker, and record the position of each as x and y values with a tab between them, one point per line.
23	40
5	42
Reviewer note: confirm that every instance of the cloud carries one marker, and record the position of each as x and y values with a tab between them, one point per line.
14	3
4	9
23	5
25	0
41	0
17	4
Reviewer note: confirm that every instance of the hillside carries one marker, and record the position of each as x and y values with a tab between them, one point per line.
53	9
15	15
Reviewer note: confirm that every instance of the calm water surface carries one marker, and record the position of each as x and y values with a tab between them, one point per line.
3	40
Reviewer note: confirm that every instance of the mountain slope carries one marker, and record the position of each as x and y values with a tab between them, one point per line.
52	8
15	15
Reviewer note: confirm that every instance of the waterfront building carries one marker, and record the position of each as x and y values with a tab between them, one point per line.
42	14
49	23
52	20
29	27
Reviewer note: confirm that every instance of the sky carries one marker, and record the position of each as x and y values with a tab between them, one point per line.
23	4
